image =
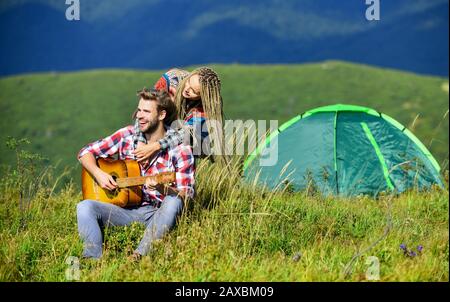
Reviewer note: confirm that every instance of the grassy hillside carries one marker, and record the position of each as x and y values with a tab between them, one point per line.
61	112
235	232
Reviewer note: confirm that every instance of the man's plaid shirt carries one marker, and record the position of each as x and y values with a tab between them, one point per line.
178	159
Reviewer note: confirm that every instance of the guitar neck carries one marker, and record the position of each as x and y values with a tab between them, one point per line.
140	180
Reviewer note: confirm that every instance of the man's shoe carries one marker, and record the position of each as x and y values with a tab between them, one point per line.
135	257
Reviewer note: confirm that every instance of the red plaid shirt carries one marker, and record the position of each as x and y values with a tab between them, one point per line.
178	159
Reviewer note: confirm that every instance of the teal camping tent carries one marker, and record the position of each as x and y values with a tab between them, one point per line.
344	150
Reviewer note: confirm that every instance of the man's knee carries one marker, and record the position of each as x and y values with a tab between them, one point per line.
85	208
172	205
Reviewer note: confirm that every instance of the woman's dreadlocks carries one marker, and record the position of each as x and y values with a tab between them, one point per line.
211	101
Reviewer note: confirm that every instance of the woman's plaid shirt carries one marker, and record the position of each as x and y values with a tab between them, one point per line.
178	159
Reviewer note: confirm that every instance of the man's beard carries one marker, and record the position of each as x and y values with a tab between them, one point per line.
152	126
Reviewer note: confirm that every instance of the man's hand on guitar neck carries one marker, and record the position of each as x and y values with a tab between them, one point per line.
153	185
103	179
163	189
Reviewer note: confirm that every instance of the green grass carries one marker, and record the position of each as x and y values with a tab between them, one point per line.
235	232
61	112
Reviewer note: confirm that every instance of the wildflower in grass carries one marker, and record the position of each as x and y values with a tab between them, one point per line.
412	254
404	248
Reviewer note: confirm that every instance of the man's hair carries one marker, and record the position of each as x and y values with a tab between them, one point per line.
163	101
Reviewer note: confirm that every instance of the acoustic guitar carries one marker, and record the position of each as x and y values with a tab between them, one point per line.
127	175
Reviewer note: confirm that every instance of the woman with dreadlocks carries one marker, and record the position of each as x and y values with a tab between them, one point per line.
199	104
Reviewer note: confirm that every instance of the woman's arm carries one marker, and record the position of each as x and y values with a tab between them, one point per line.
172	139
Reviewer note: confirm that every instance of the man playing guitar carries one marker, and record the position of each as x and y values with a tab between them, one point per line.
160	206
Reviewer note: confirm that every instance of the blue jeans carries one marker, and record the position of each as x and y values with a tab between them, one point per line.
94	216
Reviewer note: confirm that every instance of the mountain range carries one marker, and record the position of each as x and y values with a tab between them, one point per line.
35	35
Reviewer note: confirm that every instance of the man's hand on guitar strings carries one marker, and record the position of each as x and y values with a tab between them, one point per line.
105	180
